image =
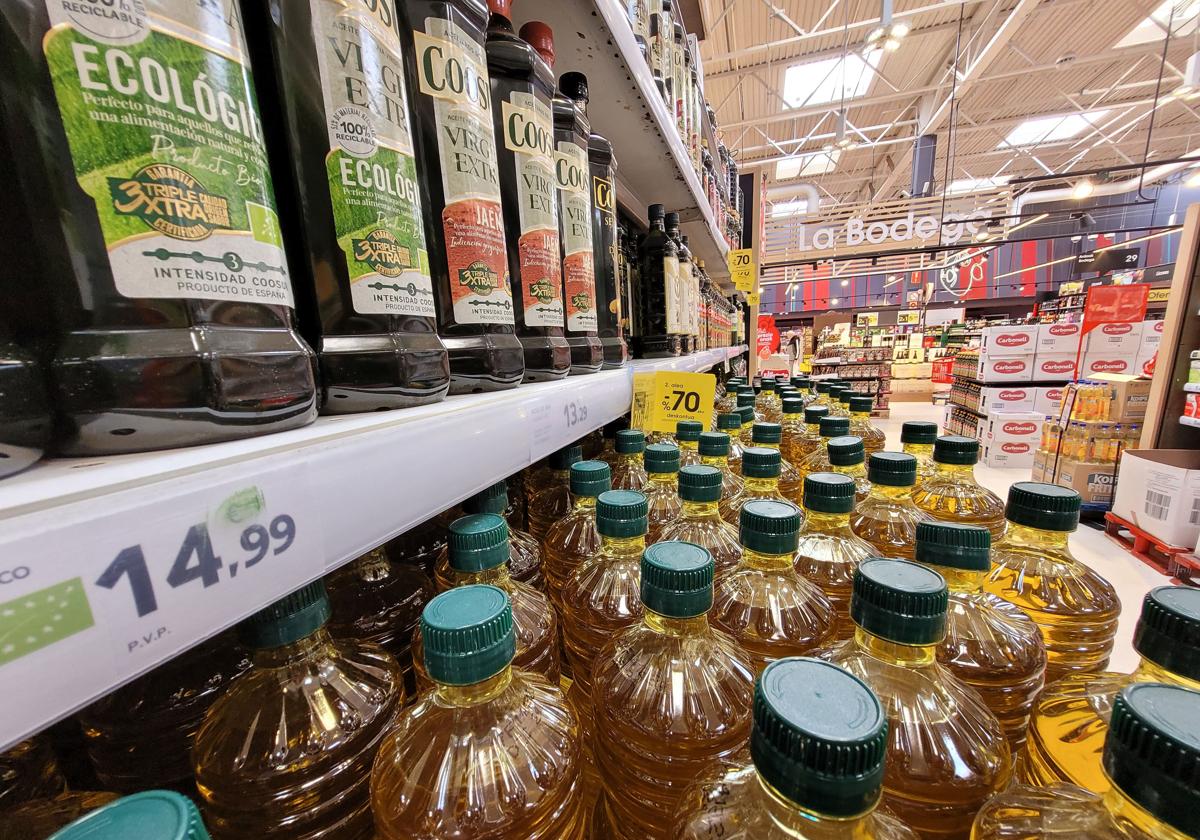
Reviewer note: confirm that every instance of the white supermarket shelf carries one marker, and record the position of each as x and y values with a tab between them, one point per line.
653	165
1190	421
1192	387
99	581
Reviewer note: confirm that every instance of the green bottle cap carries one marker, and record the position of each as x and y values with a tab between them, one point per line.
478	542
829	492
918	431
823	386
766	433
1044	506
743	401
846	451
746	391
793	405
677	579
150	815
662	458
468	634
700	483
289	619
834	426
1152	752
713	444
747	412
845	395
814	414
622	513
688	430
956	449
590	478
1168	630
859	404
892	469
955	546
769	527
630	442
801	382
819	736
565	457
757	386
760	462
491	499
729	420
901	601
769	384
732	383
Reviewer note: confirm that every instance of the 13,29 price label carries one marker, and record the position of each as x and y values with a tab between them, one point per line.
663	398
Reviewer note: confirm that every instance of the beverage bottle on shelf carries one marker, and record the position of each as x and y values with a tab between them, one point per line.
860	424
522	86
829	427
917	439
629	473
26	420
887	518
284	751
990	645
461	195
731	424
793	427
844	401
760	476
747	395
638	12
847	456
140	735
952	494
29	771
659	274
352	212
715	452
749	418
421	544
602	167
525	554
1032	567
834	402
1149	756
152	814
727	401
687	436
574	538
672	698
478	552
662	487
687	292
770	436
553	501
1071	716
810	438
700	521
608	449
166	313
491	750
767	402
947	753
768	608
814	767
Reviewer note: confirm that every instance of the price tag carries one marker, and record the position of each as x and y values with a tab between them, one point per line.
753	298
741	269
908	316
663	398
97	592
1159	295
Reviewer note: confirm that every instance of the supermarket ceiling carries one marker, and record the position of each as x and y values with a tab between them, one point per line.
808	90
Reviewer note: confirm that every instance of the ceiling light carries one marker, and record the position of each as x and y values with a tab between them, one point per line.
1193	180
845	282
1083	189
833	302
889	33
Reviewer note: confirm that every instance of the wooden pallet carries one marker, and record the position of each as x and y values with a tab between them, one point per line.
1170	560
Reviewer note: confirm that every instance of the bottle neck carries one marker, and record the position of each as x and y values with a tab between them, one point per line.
764	445
890	493
798	821
584	503
917	450
755	484
1148	671
861	416
668	626
308	647
894	653
689	445
721	462
962	472
853	470
961	580
701	510
1125	812
816	520
1036	537
813	429
476	693
664	481
623	546
496	576
767	562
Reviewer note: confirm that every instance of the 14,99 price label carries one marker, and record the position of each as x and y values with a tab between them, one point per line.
663	398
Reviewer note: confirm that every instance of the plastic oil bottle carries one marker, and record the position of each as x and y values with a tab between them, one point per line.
700	521
815	770
860	424
608	448
672	698
29	771
687	436
767	402
714	452
479	549
793	426
574	538
731	424
837	408
285	751
492	751
887	518
809	438
525	555
952	494
917	439
727	401
821	394
770	436
553	501
818	460
947	753
848	456
827	551
1071	717
760	474
1032	567
765	604
140	735
990	645
1150	754
662	487
629	473
152	814
749	418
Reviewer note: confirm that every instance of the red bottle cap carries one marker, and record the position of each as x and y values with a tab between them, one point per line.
501	7
539	36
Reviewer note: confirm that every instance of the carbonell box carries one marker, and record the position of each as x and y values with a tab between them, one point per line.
1013	454
1113	340
1049	367
1012	398
1015	427
1107	362
1058	338
1008	341
1046	400
1152	332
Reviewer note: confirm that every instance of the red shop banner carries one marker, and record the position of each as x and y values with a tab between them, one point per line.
1115	305
768	336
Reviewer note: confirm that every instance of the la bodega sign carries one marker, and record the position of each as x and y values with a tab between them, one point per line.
910	230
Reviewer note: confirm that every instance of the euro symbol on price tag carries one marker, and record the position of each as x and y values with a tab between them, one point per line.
742	269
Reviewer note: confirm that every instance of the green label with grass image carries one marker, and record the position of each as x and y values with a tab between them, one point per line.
165	136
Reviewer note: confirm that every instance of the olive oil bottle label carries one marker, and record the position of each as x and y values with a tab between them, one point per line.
165	137
604	200
452	68
529	135
674	301
370	166
690	298
575	200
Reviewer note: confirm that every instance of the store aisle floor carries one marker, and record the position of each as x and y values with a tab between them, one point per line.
1131	578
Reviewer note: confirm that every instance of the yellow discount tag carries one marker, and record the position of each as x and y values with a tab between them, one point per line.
753	298
741	269
1158	295
663	398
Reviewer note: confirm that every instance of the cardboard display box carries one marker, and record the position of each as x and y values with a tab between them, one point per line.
1093	482
1095	364
1113	340
1058	338
1014	427
1013	398
1047	400
1158	490
1049	367
1008	341
1130	396
1009	453
1005	368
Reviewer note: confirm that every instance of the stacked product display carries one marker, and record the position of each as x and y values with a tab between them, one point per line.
863	370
